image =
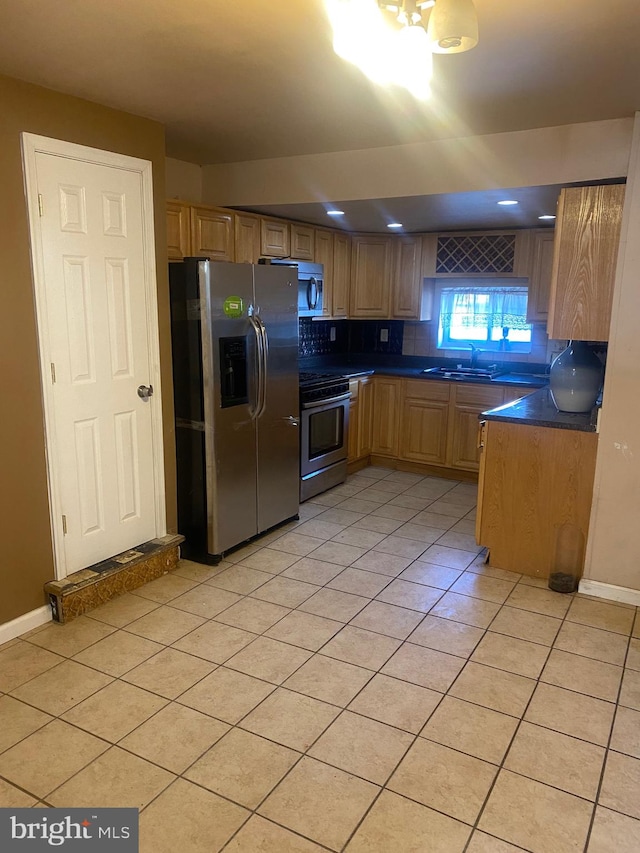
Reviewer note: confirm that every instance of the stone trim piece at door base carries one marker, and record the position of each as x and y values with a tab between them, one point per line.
89	588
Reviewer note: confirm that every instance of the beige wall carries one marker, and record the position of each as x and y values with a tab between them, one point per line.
26	560
549	155
184	180
613	550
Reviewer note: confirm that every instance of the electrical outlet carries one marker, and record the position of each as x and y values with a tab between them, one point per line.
384	336
332	333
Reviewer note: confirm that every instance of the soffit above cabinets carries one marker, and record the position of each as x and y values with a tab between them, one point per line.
245	80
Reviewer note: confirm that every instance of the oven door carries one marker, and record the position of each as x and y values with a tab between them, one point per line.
323	435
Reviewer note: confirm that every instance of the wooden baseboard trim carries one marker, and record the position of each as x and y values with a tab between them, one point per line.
26	622
610	591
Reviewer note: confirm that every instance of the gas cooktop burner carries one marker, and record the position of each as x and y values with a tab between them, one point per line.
317	386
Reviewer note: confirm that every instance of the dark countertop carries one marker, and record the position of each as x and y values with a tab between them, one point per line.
538	409
352	371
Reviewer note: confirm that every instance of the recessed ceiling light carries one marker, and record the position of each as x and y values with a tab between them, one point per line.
394	225
335	212
547	216
508	201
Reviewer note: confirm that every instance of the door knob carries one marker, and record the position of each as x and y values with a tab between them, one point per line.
293	421
145	391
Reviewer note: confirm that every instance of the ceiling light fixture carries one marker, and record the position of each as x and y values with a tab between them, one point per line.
394	225
507	202
335	212
547	216
366	36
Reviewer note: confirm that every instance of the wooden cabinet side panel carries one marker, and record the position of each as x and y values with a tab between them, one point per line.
585	255
535	479
354	426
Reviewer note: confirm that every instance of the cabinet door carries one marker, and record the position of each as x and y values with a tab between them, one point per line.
341	274
540	280
178	230
370	276
365	427
302	242
324	256
274	242
407	279
468	401
584	262
464	444
386	411
247	242
212	233
424	431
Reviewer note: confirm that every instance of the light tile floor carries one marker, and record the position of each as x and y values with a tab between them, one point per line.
356	681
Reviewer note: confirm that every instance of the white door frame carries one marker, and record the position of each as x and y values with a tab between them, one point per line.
33	144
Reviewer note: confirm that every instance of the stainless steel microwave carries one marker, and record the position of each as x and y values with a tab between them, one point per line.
310	284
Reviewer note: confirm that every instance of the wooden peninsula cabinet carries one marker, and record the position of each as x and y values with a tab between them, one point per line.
534	478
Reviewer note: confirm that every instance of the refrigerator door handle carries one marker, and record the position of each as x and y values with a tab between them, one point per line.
256	410
264	365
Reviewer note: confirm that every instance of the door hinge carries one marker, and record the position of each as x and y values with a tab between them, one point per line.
64	525
53	373
40	205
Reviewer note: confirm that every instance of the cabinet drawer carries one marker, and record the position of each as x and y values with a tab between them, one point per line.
427	389
482	396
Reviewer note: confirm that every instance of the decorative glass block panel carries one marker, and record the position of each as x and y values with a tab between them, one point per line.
482	254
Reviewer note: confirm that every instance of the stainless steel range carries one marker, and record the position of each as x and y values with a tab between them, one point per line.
324	422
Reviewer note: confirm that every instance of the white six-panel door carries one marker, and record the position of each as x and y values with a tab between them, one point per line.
102	436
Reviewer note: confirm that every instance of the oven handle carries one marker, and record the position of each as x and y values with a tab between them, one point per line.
327	401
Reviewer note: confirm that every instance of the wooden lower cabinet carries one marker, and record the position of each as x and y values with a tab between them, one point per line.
467	402
532	481
424	422
386	416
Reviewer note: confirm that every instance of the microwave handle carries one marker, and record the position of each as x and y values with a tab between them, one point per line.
312	294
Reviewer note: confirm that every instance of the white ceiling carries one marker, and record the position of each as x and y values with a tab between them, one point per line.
236	80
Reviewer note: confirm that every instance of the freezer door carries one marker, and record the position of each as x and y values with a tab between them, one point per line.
229	355
278	438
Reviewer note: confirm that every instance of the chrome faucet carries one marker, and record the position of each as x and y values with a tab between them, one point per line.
475	352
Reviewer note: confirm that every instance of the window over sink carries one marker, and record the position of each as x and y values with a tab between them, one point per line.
491	316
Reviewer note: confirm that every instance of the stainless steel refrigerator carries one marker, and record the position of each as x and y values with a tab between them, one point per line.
235	373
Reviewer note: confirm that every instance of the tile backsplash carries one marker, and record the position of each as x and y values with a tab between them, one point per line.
337	337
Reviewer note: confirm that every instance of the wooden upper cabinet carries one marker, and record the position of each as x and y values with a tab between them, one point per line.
247	234
212	233
407	278
323	240
275	238
302	242
584	262
341	274
370	275
540	277
178	230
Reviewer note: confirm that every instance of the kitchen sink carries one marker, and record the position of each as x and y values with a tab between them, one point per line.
469	374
